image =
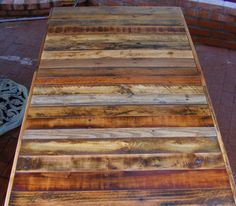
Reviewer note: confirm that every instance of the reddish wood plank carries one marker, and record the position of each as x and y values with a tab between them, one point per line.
190	179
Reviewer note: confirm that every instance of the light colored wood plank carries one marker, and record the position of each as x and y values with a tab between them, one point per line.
117	89
75	39
57	100
161	132
119	146
96	54
121	10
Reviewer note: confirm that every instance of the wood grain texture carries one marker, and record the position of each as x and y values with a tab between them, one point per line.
119	115
157	179
104	62
125	198
69	29
117	54
164	132
172	80
116	89
119	146
59	13
125	99
112	72
131	162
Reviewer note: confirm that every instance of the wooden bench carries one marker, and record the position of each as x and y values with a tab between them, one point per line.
119	115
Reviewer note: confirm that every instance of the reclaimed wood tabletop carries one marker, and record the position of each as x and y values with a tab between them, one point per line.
119	114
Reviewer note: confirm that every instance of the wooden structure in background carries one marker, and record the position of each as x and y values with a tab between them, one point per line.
119	115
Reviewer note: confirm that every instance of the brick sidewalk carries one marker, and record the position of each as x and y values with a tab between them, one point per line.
19	47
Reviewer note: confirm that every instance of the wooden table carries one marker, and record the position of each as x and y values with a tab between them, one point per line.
119	115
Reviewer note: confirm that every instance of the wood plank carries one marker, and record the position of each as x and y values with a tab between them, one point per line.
147	29
129	17
124	122
119	146
121	72
170	80
118	111
140	20
124	198
68	43
131	162
104	62
76	39
159	179
62	41
125	54
125	99
59	13
117	89
164	132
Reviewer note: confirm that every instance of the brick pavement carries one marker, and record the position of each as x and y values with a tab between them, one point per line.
19	48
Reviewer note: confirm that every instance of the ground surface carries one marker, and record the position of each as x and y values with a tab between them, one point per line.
19	49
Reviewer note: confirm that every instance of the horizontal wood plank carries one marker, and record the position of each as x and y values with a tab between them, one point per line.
162	179
122	72
132	162
124	197
59	13
116	89
172	80
105	62
75	29
119	146
164	132
125	99
117	54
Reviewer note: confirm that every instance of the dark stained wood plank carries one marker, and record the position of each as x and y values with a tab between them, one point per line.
124	122
74	45
121	72
73	29
118	116
119	146
170	80
132	62
124	198
154	132
139	20
158	179
131	162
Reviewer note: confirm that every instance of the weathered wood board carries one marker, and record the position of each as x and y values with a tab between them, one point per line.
119	115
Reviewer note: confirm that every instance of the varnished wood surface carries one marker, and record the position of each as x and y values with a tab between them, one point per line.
119	115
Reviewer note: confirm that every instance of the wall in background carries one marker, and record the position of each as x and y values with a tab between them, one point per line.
211	22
